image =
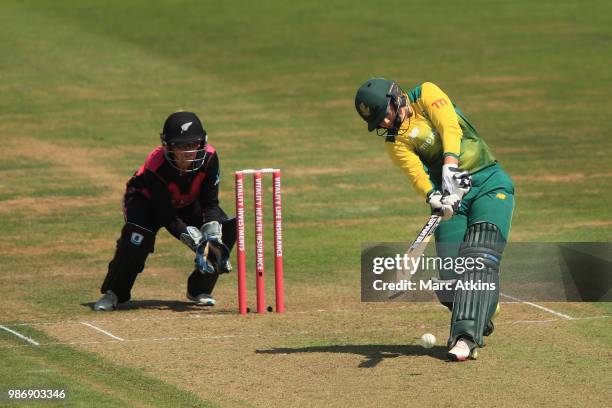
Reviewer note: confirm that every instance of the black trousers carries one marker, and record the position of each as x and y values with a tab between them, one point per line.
139	211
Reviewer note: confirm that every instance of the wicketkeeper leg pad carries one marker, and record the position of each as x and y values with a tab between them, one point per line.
229	232
132	250
477	291
199	283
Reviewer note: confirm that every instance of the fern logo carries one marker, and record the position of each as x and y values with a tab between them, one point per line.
185	126
365	111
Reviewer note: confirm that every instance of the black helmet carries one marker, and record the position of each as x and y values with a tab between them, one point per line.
184	128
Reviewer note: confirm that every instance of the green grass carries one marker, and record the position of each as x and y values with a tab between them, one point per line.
87	379
274	83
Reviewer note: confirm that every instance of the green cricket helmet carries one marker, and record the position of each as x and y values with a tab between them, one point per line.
372	101
373	98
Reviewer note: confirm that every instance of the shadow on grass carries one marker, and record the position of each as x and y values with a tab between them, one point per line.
173	305
373	353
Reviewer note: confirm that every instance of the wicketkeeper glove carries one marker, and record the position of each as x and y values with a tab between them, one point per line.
192	238
212	255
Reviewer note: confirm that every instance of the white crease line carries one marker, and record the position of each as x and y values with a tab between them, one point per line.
539	307
102	331
592	317
530	321
551	320
21	336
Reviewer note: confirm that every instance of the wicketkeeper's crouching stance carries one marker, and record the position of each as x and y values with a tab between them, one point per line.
176	188
450	165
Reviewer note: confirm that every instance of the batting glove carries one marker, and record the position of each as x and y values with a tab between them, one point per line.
435	201
455	181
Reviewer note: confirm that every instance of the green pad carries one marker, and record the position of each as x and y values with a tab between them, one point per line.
477	291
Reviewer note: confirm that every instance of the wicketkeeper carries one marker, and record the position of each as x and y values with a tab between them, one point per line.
450	165
176	188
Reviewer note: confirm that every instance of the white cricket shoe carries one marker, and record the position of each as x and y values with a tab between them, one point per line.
203	299
107	302
463	350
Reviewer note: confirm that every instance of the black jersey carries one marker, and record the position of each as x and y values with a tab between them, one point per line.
170	191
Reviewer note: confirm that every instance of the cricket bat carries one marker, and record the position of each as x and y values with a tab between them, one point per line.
417	248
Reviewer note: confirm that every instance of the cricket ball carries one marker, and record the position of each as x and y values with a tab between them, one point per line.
428	340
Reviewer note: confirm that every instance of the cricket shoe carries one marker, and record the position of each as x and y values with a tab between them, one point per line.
203	299
107	302
463	350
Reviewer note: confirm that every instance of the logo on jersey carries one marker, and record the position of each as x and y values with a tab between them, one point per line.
185	126
136	238
438	103
414	132
365	111
429	141
501	196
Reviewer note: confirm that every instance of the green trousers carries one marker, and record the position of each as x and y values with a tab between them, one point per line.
491	199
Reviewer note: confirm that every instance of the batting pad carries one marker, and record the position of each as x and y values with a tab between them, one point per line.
477	291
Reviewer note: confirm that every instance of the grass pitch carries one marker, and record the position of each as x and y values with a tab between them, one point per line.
85	90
